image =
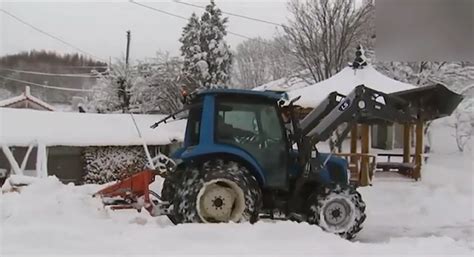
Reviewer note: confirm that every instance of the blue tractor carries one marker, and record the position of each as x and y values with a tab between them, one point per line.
247	156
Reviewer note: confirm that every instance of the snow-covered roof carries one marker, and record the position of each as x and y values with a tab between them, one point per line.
21	127
26	96
283	84
344	82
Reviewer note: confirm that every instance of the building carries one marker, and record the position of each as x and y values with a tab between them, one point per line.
40	143
26	101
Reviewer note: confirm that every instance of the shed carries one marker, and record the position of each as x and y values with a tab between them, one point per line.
58	139
26	101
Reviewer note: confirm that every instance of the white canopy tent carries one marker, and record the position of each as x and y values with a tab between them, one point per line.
344	82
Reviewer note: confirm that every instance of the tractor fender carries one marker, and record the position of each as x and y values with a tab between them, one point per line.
202	151
335	170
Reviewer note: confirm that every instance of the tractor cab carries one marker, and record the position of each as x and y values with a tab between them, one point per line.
244	125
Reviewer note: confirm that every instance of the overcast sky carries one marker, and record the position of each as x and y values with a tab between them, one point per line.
99	27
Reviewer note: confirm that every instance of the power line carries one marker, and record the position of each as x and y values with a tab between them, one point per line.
46	86
232	14
181	17
51	74
47	34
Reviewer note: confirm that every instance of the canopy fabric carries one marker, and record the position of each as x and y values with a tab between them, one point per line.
344	82
21	127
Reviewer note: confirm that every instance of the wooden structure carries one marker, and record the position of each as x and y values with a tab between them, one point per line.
364	164
26	101
41	143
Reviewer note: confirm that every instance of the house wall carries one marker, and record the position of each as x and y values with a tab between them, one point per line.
66	163
382	137
387	137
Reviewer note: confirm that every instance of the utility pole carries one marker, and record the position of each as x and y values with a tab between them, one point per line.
123	92
128	48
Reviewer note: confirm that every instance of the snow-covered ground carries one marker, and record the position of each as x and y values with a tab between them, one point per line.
433	217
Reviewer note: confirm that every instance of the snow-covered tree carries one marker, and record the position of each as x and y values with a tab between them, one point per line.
150	86
113	91
207	57
218	58
162	92
4	94
257	61
192	54
322	33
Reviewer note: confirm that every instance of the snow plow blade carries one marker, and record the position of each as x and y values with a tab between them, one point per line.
431	102
130	193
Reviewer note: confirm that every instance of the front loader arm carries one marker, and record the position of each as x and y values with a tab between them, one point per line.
363	104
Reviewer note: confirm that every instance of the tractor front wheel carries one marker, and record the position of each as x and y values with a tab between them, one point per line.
338	209
217	191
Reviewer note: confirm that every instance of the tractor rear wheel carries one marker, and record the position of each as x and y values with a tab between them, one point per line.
217	191
338	209
168	189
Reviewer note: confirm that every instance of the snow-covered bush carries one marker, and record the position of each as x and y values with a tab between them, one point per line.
464	124
150	86
110	163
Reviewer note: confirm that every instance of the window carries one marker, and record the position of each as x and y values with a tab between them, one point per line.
194	125
255	127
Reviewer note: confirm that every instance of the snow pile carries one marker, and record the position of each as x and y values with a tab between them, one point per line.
21	127
344	82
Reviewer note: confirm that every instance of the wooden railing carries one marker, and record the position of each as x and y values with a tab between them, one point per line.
362	167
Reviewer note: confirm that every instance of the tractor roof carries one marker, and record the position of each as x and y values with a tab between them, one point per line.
243	92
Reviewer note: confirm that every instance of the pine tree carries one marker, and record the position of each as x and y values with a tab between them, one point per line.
218	57
191	52
207	57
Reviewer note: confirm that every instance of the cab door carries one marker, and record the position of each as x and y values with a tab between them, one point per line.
257	127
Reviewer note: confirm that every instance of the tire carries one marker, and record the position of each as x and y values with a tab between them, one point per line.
168	190
217	191
338	209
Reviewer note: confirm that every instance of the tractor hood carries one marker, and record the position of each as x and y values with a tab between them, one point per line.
431	102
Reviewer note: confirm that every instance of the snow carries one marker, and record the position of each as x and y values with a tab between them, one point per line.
21	127
433	217
283	84
344	82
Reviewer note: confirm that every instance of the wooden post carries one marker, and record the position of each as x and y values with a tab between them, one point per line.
364	167
11	159
418	150
406	143
354	139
